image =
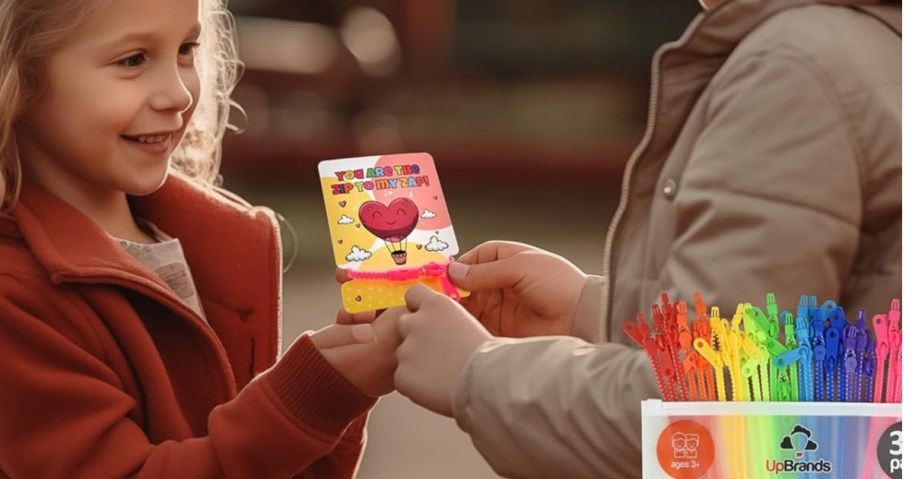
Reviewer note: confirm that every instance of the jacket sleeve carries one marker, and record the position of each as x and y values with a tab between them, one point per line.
771	197
589	316
344	459
64	412
555	406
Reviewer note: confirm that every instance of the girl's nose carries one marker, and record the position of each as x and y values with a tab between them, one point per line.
172	93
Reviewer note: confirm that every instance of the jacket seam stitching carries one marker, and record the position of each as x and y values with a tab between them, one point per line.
830	92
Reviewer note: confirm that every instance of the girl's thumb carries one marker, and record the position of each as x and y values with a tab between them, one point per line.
337	335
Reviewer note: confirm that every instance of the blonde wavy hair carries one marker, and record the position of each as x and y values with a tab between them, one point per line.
31	31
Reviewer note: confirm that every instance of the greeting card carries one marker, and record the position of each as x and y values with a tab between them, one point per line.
390	228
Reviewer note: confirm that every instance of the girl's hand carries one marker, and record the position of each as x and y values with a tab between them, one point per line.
365	354
519	290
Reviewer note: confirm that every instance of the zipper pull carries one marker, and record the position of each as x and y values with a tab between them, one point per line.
715	319
832	349
772	309
803	306
896	368
882	350
789	322
851	363
788	358
738	317
700	328
838	323
869	368
812	306
882	335
870	358
756	322
668	369
640	333
860	320
670	339
637	332
667	309
732	354
673	342
749	369
818	342
776	348
828	307
773	328
861	336
748	345
715	360
735	347
767	331
752	358
667	323
893	331
895	339
838	319
658	322
705	350
783	387
685	337
851	342
803	330
700	306
894	315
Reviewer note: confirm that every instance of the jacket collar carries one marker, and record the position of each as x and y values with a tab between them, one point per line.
68	244
719	30
220	235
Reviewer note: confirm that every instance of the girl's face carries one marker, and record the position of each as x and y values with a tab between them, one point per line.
120	95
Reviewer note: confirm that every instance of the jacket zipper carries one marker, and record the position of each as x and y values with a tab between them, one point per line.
606	322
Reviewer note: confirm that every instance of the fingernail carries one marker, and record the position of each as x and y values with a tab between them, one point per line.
458	271
363	333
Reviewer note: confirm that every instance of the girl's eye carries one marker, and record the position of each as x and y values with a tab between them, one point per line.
133	61
188	48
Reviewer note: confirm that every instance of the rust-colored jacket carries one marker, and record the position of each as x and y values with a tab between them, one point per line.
105	373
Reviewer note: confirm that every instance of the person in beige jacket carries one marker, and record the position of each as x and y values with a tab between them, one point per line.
770	162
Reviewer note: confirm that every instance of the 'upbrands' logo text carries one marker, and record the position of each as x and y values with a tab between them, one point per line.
820	466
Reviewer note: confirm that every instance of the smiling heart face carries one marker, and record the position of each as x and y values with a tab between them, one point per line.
390	223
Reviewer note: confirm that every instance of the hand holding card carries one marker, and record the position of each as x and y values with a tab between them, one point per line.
390	228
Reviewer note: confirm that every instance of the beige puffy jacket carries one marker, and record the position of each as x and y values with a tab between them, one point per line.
771	162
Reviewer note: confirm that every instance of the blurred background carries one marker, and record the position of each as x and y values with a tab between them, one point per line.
553	92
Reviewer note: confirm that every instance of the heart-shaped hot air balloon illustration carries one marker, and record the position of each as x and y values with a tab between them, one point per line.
391	223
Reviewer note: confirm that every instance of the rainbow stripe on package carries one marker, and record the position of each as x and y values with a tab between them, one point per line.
695	440
769	355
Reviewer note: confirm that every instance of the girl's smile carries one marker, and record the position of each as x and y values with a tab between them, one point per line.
156	144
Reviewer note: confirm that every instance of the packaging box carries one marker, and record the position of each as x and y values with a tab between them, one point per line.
744	440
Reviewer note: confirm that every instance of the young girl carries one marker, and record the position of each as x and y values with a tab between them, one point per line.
140	306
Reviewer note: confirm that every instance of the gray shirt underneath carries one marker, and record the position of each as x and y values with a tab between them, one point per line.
166	259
